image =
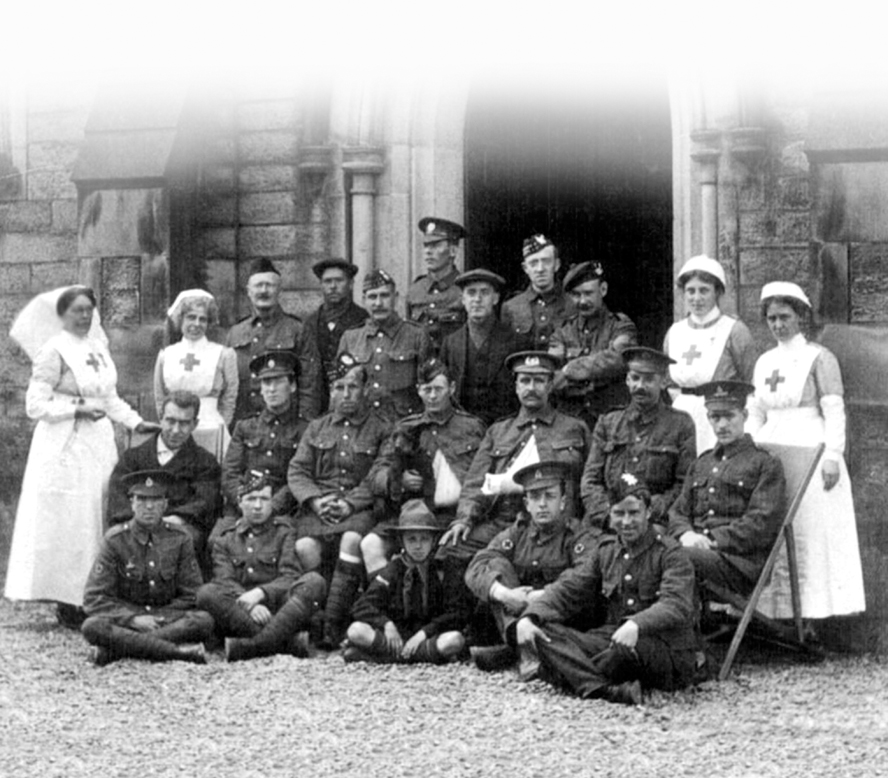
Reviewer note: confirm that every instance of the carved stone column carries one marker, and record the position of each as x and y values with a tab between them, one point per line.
363	164
705	152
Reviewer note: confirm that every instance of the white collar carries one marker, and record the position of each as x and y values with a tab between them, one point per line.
707	319
795	343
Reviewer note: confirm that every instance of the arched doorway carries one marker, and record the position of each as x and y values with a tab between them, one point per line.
589	168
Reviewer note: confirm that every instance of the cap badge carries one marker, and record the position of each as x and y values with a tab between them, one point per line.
149	482
720	391
532	361
629	479
540	238
430	228
271	363
538	475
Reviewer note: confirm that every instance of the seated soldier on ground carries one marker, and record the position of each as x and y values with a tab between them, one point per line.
644	585
328	478
649	439
193	498
731	506
427	456
259	597
139	596
412	611
267	440
522	560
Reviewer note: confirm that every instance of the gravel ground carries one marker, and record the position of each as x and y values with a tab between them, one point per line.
62	716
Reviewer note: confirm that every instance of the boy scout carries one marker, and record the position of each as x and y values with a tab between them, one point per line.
140	594
522	560
412	611
259	596
644	584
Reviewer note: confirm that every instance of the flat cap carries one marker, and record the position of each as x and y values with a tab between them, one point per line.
263	265
725	395
532	362
376	278
642	359
416	515
430	369
318	268
274	363
480	274
148	483
535	243
253	481
580	274
543	474
434	229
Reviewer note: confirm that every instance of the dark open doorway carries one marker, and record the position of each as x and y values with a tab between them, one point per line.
592	170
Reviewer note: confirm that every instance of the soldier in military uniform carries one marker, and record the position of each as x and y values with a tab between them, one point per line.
528	556
434	300
336	314
539	310
427	456
643	584
259	596
490	498
328	477
476	353
269	328
649	439
731	507
589	343
391	348
265	441
140	594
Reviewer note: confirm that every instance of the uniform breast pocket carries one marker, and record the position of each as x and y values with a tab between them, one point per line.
363	459
569	450
131	570
268	559
402	370
168	569
661	462
252	443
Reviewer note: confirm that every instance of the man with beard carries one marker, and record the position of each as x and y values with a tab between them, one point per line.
269	328
476	353
591	381
433	300
649	439
539	310
490	497
338	313
390	348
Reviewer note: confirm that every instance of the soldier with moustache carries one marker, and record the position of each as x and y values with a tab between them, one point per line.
538	311
270	328
337	313
390	348
433	299
649	439
589	343
490	498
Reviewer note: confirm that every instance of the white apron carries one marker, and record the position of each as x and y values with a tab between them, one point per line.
191	366
830	575
58	525
697	351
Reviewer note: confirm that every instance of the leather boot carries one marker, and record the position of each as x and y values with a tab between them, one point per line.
230	618
491	659
124	643
276	637
343	589
627	693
